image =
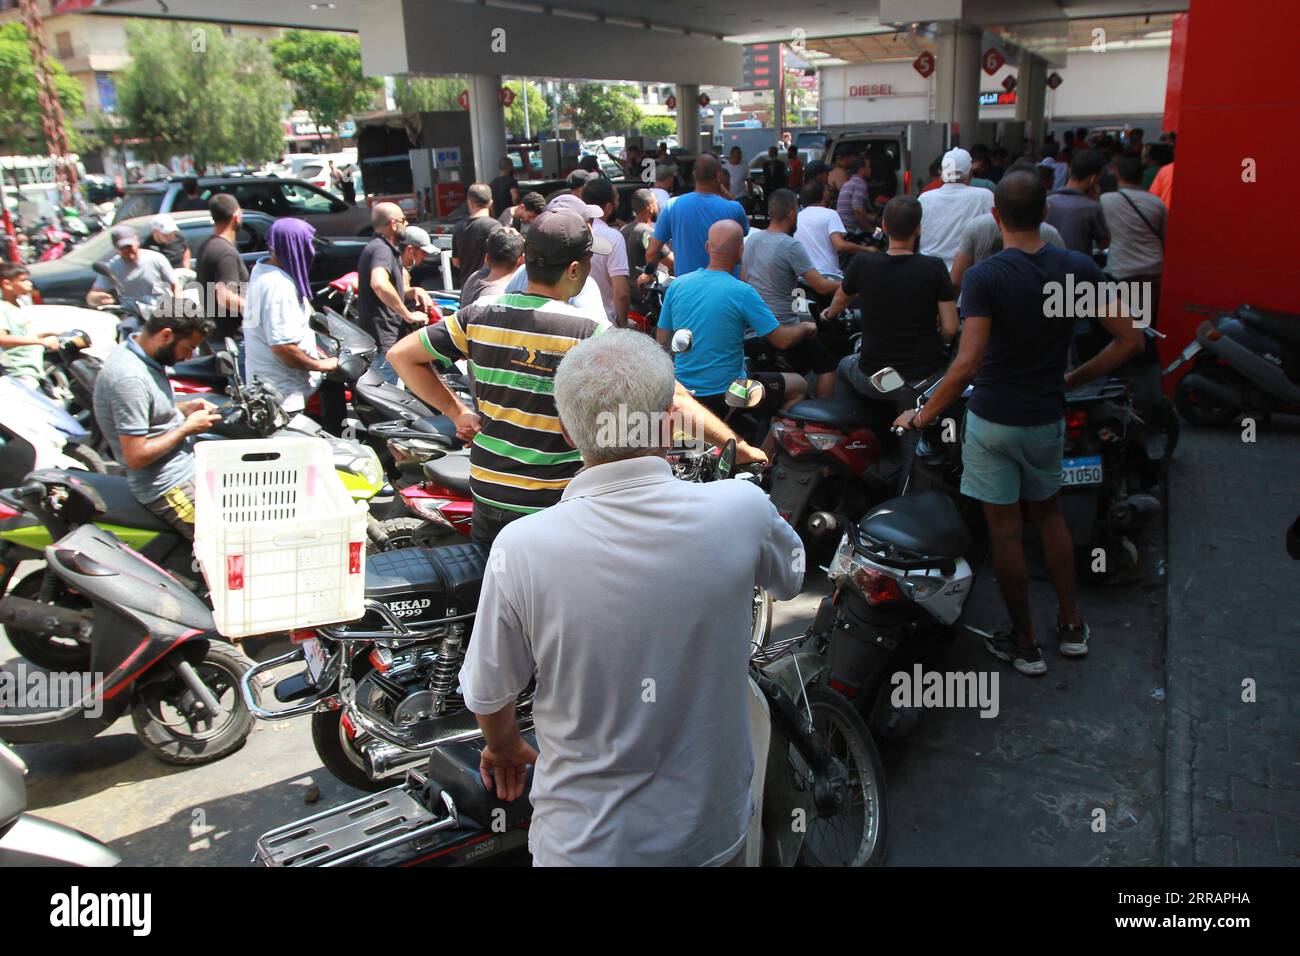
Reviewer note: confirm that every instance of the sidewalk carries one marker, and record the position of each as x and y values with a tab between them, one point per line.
1232	769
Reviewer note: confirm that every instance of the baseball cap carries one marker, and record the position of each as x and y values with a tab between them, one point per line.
558	237
571	203
163	223
124	236
955	165
577	178
415	236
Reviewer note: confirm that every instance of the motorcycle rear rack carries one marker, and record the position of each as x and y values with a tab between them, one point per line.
359	830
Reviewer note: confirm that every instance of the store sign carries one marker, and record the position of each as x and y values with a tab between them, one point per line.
872	89
1007	98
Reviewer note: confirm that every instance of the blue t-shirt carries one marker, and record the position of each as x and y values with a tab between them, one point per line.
717	308
1021	379
685	223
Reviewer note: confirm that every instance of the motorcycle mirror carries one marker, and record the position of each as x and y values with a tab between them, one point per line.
319	323
744	393
682	339
102	269
887	380
726	466
225	364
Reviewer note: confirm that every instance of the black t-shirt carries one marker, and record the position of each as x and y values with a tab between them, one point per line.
173	249
376	318
899	297
774	175
469	243
1021	379
501	186
218	261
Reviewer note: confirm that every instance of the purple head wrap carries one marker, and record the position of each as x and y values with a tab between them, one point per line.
290	241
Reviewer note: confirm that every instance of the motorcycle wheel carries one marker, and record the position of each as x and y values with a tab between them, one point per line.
86	456
414	533
52	653
855	834
170	735
338	754
1200	410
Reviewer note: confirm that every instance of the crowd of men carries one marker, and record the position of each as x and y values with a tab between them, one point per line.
547	287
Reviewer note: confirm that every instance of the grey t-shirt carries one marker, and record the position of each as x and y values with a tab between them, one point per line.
982	237
1135	246
133	397
1078	218
773	264
150	277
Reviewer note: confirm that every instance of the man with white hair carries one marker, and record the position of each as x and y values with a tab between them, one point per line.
641	718
165	237
947	210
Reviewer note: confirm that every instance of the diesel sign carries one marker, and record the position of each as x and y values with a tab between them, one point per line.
872	89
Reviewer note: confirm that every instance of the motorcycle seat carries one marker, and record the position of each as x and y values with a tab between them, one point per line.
121	506
450	471
1280	325
926	524
427	583
454	768
830	411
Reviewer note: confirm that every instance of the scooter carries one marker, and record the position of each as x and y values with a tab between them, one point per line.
1245	362
155	655
26	840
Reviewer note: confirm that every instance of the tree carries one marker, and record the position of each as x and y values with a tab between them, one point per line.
21	131
418	94
600	110
539	111
324	70
190	90
660	127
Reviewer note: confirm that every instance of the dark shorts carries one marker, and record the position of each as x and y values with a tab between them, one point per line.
811	355
773	396
488	522
176	507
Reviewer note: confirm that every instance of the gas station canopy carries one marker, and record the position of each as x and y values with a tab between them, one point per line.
687	41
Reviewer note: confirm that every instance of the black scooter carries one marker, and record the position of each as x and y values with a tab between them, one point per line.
155	654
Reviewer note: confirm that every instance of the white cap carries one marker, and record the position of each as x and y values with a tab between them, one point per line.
955	165
163	223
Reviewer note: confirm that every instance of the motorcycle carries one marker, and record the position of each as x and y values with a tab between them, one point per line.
73	498
813	759
1245	362
155	653
26	840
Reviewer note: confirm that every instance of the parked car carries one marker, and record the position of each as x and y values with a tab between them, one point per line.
271	195
67	280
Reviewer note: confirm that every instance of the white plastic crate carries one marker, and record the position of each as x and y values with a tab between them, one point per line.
279	540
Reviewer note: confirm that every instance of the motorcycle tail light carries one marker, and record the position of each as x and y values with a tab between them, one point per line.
791	437
299	635
824	441
430	509
382	658
354	557
876	586
847	690
1075	422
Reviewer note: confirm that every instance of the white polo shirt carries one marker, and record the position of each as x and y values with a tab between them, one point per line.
944	214
631	601
606	267
815	226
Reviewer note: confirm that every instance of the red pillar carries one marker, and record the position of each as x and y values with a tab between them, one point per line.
1231	241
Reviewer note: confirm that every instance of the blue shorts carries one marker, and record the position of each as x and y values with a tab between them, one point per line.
1003	464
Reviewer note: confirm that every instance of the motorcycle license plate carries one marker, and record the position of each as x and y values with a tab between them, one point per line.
1081	471
315	655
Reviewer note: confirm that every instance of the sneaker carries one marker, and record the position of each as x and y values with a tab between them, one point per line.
1029	661
1072	641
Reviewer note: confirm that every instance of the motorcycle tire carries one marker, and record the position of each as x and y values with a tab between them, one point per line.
87	457
221	670
1199	410
844	733
761	627
337	754
52	653
410	532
